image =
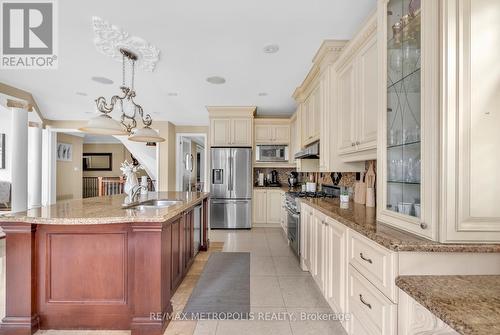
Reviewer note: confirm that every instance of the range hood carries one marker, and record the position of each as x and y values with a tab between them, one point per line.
309	152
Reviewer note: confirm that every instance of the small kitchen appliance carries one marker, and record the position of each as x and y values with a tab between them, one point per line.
292	179
271	153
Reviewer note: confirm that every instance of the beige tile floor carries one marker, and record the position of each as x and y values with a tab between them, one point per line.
277	285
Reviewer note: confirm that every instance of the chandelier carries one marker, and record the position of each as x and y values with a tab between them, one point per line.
104	124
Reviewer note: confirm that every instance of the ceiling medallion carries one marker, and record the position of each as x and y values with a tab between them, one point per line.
110	39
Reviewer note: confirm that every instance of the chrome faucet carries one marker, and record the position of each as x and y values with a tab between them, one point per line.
136	191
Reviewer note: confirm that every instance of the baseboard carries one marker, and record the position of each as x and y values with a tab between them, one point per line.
266	225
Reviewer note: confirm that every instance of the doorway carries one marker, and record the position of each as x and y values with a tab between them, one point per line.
191	162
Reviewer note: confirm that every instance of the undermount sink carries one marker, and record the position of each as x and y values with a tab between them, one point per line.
154	204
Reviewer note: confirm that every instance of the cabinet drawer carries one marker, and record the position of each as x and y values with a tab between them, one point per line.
370	307
376	263
357	328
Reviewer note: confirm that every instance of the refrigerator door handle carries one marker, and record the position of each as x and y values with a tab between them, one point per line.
230	180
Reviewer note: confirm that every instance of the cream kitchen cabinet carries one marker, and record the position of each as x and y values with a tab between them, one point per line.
358	275
231	126
231	132
318	112
346	107
329	158
259	203
220	132
310	117
267	207
408	157
357	96
274	206
306	237
294	135
377	313
318	249
415	319
470	137
323	253
272	131
241	132
438	121
335	265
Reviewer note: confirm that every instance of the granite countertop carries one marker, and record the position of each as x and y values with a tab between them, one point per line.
362	219
468	304
283	187
106	210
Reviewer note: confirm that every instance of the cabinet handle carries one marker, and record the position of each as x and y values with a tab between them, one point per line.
423	225
365	259
364	302
358	143
352	144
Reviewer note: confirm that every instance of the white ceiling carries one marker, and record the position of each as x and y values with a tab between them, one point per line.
100	139
197	39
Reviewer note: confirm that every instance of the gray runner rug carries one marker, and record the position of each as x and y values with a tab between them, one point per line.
223	290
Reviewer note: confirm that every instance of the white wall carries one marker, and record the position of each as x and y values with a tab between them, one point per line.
5	128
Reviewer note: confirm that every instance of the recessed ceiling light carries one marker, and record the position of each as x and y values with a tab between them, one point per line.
262	94
102	80
83	94
172	94
216	80
271	48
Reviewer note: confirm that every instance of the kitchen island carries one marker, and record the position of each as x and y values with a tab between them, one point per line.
91	264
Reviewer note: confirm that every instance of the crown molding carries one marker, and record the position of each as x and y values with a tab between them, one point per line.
327	54
14	92
368	30
235	111
19	104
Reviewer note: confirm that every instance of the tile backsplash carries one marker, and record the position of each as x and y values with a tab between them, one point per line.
282	174
348	178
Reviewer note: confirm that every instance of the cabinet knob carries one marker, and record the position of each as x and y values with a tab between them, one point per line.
358	143
423	225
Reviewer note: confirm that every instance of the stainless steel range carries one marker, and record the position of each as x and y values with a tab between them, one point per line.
292	205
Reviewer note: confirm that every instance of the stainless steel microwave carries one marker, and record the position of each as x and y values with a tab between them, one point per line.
271	153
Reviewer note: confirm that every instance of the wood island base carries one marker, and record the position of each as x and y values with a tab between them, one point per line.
96	276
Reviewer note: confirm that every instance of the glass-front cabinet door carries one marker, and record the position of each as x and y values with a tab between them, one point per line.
409	115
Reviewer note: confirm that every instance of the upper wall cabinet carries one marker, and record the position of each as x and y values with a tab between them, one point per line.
272	131
470	181
231	126
357	96
409	115
310	95
318	111
438	119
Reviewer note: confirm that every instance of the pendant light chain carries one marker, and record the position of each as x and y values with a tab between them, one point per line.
106	125
133	74
123	70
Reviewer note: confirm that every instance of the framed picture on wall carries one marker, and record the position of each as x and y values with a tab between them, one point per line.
2	151
98	161
64	152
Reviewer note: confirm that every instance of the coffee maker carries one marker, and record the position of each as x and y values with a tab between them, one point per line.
292	179
274	181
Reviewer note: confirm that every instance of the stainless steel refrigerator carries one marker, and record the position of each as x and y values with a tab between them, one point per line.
231	188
